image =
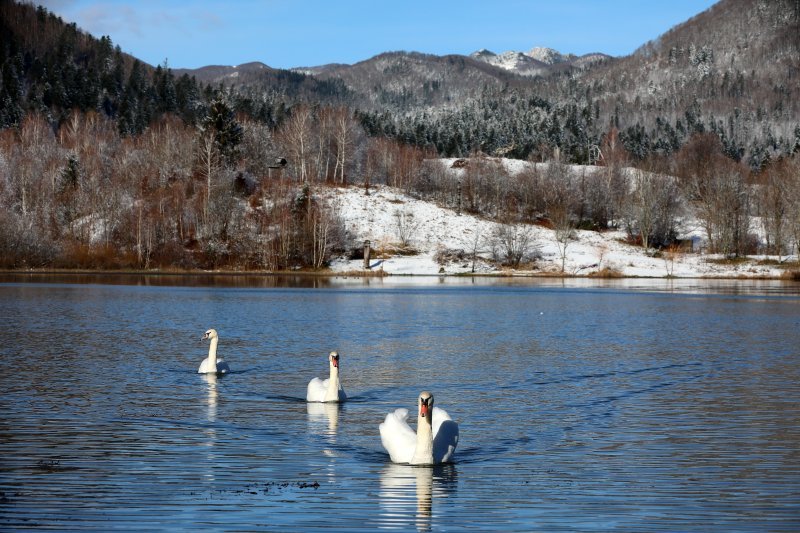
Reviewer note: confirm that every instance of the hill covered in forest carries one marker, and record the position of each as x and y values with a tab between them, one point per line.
733	70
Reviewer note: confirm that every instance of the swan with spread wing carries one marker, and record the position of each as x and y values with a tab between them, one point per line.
434	441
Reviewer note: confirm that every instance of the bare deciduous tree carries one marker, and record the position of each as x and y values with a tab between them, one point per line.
295	137
258	148
716	186
774	204
474	245
345	131
210	165
791	174
652	208
560	198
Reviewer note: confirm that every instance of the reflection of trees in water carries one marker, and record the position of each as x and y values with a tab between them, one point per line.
408	492
180	280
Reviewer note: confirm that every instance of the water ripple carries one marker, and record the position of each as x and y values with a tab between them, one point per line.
579	409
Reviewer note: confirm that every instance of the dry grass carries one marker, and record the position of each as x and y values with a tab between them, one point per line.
376	273
388	250
727	260
791	275
83	257
606	272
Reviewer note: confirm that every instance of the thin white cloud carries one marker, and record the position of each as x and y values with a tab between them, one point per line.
108	19
208	20
163	18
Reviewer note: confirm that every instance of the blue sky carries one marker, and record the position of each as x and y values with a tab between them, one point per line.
294	33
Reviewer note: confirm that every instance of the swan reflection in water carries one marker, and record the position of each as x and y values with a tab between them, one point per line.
211	381
211	416
323	418
407	494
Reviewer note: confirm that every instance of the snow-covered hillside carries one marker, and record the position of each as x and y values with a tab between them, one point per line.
387	217
549	56
514	61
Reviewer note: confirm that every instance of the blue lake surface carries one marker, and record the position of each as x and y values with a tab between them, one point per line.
583	405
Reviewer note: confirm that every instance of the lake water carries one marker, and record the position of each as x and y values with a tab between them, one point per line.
583	405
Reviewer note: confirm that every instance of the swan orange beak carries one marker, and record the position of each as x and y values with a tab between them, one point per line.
204	337
423	410
335	361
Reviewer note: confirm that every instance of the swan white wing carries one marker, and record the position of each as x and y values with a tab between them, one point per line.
445	436
205	367
316	390
397	436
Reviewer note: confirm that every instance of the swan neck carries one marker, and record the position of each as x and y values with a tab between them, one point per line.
333	385
423	454
212	353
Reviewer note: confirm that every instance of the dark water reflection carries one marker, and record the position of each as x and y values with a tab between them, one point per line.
312	281
628	405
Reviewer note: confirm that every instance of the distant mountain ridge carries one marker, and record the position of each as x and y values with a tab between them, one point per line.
408	80
732	70
537	61
221	73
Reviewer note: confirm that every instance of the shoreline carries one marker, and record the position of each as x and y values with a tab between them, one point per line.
790	276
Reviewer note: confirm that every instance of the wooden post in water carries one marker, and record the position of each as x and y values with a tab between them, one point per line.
366	255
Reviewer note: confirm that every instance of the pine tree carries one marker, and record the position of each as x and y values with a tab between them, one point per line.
165	87
187	98
227	131
70	174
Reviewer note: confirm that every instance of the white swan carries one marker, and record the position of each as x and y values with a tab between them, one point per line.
212	365
329	390
434	441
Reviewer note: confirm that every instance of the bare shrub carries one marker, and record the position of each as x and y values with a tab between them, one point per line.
510	244
406	227
606	272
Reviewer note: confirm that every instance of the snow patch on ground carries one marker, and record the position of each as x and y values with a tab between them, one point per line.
431	230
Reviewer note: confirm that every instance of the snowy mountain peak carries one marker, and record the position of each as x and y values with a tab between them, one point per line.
482	53
513	61
549	56
538	60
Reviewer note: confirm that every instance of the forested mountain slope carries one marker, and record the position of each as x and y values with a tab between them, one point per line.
52	67
733	70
